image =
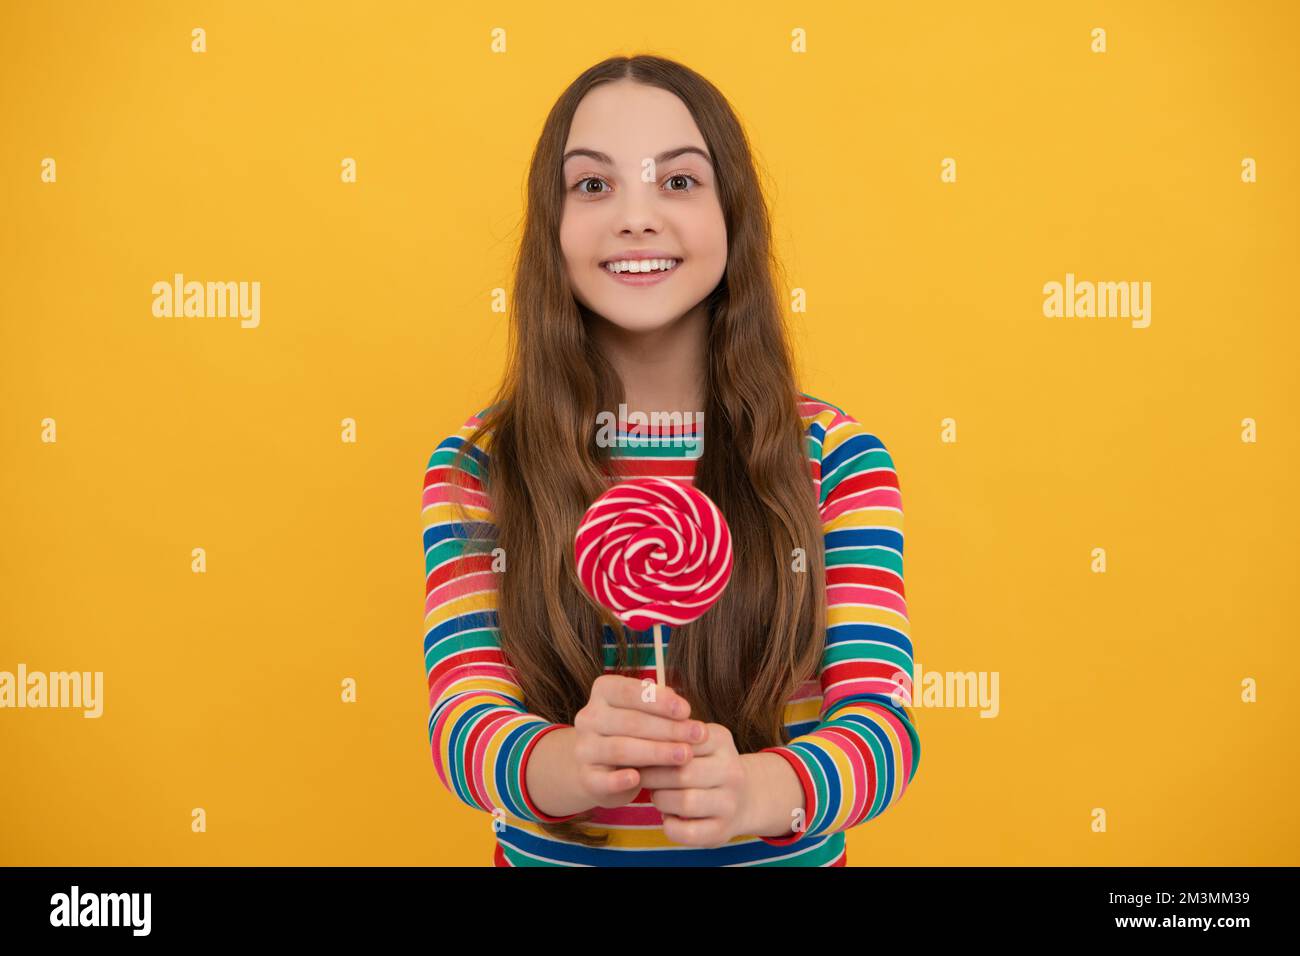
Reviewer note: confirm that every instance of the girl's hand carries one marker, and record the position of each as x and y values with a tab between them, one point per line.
705	802
626	725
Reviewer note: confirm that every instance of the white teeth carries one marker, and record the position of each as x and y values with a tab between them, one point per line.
641	265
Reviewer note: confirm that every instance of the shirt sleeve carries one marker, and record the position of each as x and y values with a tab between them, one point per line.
863	753
480	734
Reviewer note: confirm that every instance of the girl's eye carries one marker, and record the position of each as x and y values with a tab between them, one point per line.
577	187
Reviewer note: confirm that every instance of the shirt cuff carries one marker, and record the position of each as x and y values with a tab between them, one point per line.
523	778
809	796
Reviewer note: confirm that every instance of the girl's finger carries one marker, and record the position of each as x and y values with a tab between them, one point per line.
670	778
710	744
607	781
702	831
636	752
630	693
693	803
620	721
701	772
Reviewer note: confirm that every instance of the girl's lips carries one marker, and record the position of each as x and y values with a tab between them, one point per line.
640	278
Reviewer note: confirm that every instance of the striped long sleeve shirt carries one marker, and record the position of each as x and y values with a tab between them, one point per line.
853	739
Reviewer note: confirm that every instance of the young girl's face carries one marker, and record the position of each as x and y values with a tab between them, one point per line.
642	199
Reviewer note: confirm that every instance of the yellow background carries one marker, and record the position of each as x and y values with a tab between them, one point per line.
1119	690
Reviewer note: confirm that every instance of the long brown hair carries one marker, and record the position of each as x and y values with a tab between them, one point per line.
738	663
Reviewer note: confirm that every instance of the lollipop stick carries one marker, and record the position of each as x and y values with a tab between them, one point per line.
659	656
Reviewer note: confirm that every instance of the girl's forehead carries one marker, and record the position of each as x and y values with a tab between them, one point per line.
644	118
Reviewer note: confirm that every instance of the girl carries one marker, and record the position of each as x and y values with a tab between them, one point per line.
786	720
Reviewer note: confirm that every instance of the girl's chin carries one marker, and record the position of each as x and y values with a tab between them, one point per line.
637	323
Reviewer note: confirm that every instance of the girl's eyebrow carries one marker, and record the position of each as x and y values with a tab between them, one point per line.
663	157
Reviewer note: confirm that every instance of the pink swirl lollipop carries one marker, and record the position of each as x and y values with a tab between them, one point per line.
654	552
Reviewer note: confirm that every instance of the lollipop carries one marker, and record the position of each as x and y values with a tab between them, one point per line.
654	552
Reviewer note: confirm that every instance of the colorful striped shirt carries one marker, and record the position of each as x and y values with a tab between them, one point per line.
853	739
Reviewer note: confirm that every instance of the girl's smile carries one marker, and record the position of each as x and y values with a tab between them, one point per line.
641	267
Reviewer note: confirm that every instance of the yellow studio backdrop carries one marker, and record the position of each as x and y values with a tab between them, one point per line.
1099	512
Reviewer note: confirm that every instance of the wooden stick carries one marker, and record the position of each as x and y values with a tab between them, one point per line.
659	656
